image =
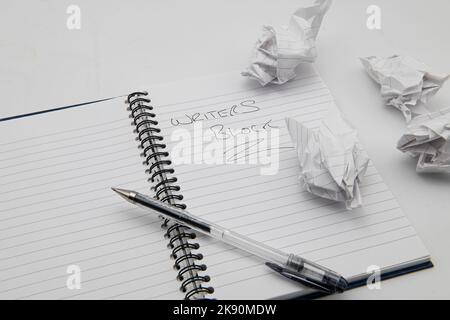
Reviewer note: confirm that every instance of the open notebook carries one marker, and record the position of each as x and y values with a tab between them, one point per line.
57	209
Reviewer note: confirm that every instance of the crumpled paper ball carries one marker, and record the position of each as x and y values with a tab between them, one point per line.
428	138
404	81
280	50
332	161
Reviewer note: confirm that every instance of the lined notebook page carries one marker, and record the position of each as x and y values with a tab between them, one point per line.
57	209
274	209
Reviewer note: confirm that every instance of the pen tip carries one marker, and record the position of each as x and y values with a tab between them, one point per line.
122	192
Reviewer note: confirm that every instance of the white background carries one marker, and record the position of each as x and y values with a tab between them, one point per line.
123	45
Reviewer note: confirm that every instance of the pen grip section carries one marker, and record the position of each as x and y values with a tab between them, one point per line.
317	273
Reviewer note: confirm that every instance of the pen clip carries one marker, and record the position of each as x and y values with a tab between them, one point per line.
298	277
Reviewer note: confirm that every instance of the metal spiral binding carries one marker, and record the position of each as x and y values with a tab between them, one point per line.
161	176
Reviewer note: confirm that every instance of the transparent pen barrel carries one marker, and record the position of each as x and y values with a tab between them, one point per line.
257	248
308	269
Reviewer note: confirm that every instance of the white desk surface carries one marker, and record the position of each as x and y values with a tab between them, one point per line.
125	44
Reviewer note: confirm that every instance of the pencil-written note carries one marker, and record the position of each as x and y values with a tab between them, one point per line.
244	127
243	107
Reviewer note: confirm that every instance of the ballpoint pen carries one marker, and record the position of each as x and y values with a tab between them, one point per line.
291	266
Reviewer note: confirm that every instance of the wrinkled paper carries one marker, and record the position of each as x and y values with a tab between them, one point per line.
404	81
280	50
332	162
428	138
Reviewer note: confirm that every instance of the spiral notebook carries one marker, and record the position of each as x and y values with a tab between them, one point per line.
58	214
